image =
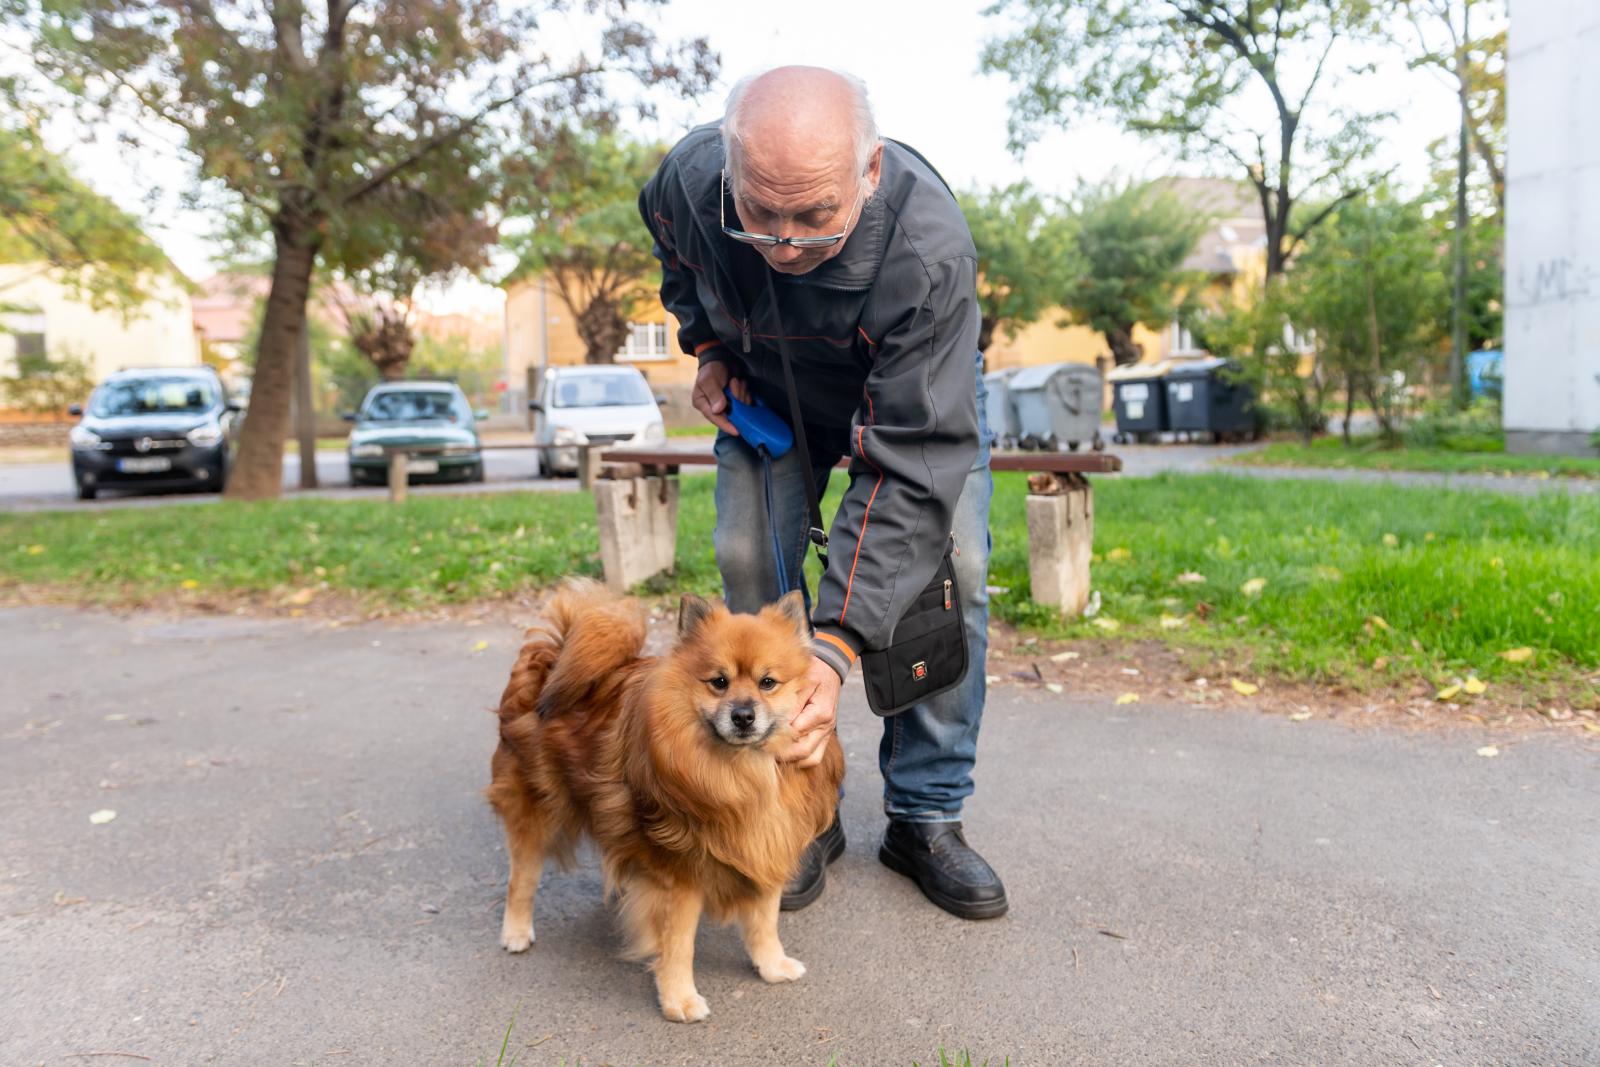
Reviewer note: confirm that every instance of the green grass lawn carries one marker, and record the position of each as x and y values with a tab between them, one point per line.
1304	579
1369	454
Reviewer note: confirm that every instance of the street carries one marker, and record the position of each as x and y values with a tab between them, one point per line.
300	870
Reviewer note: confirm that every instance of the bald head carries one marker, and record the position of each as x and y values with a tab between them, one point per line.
802	154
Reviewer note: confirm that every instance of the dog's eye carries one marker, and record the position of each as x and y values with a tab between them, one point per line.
768	684
720	684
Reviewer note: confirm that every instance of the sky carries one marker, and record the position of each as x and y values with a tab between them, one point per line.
919	59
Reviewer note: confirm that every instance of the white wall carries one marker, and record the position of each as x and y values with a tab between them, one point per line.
1552	399
158	334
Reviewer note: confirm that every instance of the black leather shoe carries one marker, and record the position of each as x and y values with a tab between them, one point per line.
936	856
807	883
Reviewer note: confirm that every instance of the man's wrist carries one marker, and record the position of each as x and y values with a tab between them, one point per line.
713	352
837	648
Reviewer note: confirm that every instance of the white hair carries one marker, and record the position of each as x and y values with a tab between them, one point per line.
864	126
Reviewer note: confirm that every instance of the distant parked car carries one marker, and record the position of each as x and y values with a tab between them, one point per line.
433	415
593	405
162	428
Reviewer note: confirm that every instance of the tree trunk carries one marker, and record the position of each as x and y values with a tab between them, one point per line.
1458	296
1124	350
258	471
603	329
1349	405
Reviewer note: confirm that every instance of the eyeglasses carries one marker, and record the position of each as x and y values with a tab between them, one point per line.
768	240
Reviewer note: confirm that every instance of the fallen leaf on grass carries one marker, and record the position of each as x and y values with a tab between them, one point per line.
1474	686
1174	622
1592	727
35	550
1381	663
1062	657
1253	587
103	816
1108	625
189	583
1128	698
1299	716
1391	540
1055	687
1377	622
1449	692
1118	553
1517	655
301	597
1488	751
1244	689
1190	578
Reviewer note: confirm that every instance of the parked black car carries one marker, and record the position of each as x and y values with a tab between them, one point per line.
163	428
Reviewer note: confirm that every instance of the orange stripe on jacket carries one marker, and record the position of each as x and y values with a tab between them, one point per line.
832	640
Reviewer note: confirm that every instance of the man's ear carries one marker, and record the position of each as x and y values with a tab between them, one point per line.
692	611
793	607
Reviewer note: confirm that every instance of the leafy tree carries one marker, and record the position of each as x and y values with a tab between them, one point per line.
1255	331
1026	254
49	217
46	386
1130	243
1372	288
345	126
1234	82
576	200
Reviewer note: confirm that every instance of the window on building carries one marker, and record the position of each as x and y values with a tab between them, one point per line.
1182	341
646	341
25	330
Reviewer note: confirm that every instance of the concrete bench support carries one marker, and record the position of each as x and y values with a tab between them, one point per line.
398	477
638	520
1060	539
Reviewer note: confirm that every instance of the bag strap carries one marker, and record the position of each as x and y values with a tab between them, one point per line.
817	534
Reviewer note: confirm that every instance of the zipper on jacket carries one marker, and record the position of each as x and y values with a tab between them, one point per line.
744	333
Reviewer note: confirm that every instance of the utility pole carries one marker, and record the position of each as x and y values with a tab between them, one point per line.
1458	300
305	412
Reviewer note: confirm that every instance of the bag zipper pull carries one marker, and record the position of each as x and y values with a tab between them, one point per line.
744	332
947	594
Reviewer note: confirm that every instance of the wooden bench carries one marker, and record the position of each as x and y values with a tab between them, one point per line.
636	507
399	457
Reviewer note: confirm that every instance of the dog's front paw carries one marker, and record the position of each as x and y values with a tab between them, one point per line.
782	969
685	1009
516	937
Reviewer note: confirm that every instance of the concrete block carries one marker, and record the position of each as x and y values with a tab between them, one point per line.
1060	539
638	522
398	477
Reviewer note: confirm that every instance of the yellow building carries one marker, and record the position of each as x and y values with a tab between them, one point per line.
44	316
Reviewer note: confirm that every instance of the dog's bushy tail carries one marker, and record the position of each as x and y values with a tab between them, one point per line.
584	636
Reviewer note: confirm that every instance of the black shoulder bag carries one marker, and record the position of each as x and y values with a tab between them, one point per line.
928	653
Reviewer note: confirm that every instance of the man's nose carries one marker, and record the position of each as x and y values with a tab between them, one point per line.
786	253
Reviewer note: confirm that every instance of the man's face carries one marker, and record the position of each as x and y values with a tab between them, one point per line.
796	194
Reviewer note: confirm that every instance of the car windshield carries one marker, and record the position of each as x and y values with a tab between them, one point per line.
416	406
153	396
600	391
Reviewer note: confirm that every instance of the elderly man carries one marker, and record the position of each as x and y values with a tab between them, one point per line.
874	272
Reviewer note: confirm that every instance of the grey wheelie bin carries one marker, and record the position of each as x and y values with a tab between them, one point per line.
999	410
1139	398
1205	396
1058	404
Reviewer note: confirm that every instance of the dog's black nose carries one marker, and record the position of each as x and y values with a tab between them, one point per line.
743	716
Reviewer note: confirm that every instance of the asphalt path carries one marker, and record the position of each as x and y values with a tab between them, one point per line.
300	870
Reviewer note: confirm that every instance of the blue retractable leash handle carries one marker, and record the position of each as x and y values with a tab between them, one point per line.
765	431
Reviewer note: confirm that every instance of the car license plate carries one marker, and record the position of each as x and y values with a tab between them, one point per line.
144	464
422	466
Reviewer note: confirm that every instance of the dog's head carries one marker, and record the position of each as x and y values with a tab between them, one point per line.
745	671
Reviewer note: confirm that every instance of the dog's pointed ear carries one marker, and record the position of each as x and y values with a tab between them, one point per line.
793	607
692	611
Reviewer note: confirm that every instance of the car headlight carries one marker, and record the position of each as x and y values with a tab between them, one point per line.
566	435
367	451
654	433
205	436
83	437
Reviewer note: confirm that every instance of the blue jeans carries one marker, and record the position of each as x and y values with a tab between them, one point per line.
928	750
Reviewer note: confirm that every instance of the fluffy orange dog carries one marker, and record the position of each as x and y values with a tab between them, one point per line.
668	765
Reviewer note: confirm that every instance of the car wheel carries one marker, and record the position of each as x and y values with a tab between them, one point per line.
477	472
86	492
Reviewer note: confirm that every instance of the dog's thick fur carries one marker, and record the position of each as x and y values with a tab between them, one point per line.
596	739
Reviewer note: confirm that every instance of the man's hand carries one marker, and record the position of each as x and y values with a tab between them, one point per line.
708	398
819	709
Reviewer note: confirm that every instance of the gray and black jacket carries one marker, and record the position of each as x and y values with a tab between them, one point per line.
883	338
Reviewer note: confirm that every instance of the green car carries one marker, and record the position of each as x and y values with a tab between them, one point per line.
430	415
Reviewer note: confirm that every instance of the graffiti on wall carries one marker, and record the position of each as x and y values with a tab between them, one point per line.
1554	281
